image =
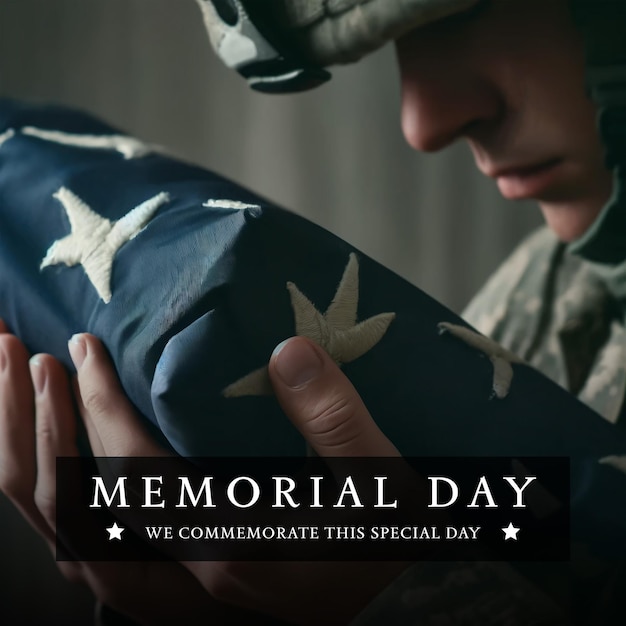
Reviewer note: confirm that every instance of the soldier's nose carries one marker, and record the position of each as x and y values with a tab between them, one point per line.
443	96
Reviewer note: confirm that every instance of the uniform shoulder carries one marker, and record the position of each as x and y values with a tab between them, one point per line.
523	272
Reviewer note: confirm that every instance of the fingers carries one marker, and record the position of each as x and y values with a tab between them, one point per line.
30	488
18	468
55	436
37	425
55	428
112	424
322	403
17	423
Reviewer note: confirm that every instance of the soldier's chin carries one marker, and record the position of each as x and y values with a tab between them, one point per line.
569	221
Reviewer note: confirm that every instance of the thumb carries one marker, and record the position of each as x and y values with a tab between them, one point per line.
322	403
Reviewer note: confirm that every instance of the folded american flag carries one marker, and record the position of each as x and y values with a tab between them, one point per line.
191	281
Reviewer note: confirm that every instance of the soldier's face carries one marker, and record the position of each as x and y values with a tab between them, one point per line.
510	80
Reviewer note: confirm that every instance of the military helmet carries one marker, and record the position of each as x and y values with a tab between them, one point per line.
285	45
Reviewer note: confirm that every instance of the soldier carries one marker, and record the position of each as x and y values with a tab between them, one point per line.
508	76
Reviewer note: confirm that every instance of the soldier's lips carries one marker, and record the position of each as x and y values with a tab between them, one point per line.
527	182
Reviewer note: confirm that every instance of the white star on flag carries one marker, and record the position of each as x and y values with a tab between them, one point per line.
336	330
500	357
128	147
94	240
229	204
618	462
6	135
510	532
115	532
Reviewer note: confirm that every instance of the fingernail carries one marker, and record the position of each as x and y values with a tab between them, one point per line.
78	349
296	362
37	374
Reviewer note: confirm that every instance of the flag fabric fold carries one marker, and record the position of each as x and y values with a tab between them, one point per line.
191	281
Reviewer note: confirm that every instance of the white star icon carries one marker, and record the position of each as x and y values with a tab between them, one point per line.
95	240
510	532
336	330
115	532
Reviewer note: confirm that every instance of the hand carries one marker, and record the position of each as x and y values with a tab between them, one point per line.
333	419
322	403
324	406
37	424
326	409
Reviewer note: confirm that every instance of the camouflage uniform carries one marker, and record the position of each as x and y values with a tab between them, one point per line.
563	315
